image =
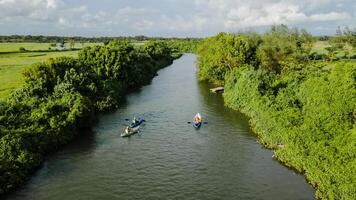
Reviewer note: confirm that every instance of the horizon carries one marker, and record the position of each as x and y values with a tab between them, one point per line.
179	37
172	18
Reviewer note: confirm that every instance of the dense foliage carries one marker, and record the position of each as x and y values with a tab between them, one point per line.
224	52
183	45
62	95
302	109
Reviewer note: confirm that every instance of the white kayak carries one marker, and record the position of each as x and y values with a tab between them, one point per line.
130	131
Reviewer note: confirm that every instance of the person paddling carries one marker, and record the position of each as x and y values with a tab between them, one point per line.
197	118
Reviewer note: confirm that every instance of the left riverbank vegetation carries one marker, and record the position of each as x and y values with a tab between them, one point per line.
61	95
301	98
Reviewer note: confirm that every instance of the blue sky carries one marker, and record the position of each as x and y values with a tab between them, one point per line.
181	18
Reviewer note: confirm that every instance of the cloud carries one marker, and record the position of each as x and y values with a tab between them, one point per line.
173	17
332	16
241	14
131	11
27	8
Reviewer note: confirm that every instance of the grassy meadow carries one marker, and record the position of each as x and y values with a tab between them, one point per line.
12	60
12	64
31	46
320	47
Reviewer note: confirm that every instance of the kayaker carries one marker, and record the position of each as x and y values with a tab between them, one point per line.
196	119
134	120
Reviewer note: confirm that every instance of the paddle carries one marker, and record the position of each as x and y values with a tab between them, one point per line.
130	119
203	122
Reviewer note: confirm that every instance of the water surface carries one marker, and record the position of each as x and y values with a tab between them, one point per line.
168	159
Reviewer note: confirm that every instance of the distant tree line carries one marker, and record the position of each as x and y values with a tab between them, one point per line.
183	45
59	39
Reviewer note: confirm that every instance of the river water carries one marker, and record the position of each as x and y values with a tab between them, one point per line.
168	159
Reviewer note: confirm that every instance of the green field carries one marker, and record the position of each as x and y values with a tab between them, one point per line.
15	46
320	46
12	64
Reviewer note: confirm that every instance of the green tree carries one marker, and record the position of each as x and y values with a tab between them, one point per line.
283	47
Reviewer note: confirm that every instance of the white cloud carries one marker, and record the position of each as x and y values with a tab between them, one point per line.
197	16
130	11
236	14
62	21
330	16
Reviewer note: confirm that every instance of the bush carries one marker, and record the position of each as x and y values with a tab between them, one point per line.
225	52
303	110
317	56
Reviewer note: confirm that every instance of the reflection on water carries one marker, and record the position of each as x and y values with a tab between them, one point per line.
169	159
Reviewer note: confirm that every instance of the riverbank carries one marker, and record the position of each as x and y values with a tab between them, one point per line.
314	136
299	108
65	94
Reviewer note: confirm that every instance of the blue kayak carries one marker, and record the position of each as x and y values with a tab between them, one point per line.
136	123
197	125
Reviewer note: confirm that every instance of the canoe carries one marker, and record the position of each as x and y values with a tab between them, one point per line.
137	123
130	131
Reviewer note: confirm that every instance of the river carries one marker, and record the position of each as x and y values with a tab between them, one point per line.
168	159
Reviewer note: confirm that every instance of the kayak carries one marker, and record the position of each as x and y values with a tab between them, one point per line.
197	120
197	125
137	123
130	131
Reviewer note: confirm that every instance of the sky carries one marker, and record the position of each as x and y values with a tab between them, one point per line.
170	18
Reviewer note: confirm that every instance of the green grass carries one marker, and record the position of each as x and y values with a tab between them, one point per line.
15	46
319	47
12	64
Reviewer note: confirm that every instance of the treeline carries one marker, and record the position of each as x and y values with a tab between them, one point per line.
345	35
62	95
183	45
303	109
60	39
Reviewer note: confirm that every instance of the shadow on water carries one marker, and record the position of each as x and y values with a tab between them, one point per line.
56	162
